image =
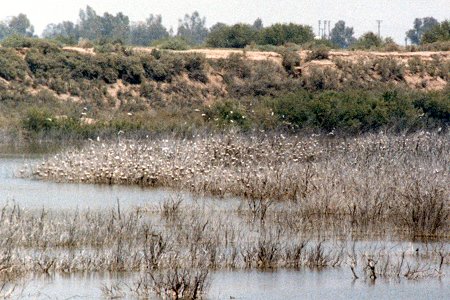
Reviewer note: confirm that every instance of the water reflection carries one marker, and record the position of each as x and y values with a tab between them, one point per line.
282	284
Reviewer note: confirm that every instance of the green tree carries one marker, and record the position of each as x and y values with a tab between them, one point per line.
115	28
90	24
217	35
341	35
20	25
280	34
369	40
236	36
17	25
143	33
66	31
192	28
438	33
420	27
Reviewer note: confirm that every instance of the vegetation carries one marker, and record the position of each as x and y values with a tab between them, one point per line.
321	52
316	148
368	41
420	27
236	36
325	176
280	34
341	35
437	33
50	92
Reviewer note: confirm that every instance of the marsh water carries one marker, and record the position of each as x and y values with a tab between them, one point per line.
281	284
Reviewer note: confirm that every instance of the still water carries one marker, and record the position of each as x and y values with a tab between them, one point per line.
304	284
35	194
282	284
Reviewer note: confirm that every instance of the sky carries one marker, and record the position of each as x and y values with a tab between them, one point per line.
397	15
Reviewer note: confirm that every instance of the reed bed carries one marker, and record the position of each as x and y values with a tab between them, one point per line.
196	237
372	182
298	202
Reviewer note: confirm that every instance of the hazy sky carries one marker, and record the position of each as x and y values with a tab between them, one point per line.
397	15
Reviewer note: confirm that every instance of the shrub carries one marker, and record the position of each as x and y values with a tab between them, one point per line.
368	41
172	43
11	65
319	78
438	68
416	65
235	65
436	107
389	69
227	113
321	52
162	66
195	66
280	34
37	120
17	41
291	60
236	36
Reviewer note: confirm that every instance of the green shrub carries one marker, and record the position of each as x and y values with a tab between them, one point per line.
435	106
321	52
389	69
280	34
416	65
236	36
319	78
291	61
37	120
227	113
235	65
172	43
11	65
368	41
195	66
18	42
162	66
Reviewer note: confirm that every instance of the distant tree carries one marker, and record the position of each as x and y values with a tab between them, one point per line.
4	30
17	25
143	33
258	24
106	28
279	34
66	31
21	25
90	24
115	28
217	35
341	35
368	40
236	36
420	27
438	33
192	28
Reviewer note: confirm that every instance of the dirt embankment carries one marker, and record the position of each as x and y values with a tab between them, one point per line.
269	55
422	79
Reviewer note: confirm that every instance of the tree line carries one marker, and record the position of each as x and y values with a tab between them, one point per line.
192	30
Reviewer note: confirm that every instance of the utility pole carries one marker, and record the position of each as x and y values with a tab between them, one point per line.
320	28
379	27
329	29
